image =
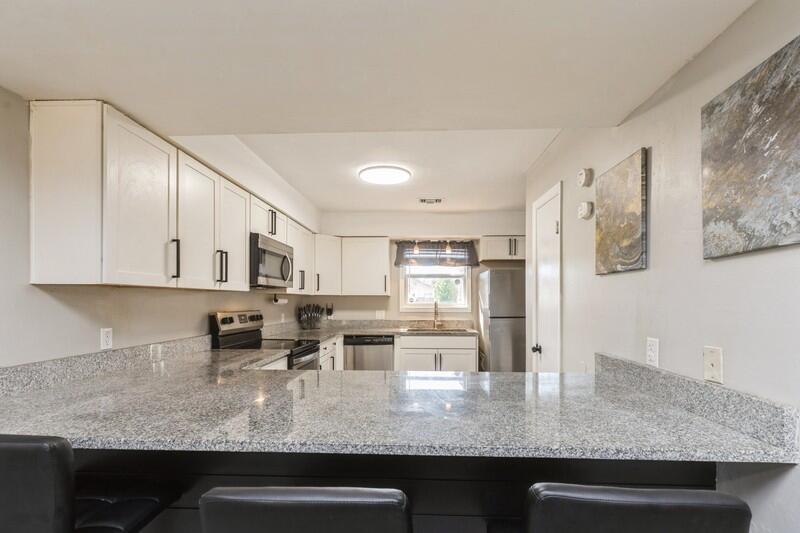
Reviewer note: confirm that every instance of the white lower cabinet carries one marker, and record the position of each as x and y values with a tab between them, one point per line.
418	359
448	353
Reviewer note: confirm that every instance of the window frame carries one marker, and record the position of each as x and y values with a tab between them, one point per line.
406	307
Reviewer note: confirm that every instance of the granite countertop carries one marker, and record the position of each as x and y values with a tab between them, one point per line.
328	332
205	401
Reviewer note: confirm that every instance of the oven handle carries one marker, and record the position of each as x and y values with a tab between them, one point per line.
304	360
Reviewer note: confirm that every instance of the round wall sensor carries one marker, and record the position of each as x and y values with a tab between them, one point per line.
585	210
585	177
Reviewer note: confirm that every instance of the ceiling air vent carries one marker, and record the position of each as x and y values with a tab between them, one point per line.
430	201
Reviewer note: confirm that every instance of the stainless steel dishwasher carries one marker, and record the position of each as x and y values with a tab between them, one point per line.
368	352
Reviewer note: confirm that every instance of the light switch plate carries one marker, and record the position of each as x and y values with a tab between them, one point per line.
712	364
652	351
106	338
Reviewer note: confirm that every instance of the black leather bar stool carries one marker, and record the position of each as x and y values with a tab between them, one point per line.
561	508
38	494
304	510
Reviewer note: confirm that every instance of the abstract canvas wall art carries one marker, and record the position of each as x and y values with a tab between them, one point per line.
621	216
751	159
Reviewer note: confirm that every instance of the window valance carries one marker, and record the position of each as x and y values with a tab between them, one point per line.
436	253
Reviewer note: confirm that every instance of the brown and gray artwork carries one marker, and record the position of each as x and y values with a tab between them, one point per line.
620	224
751	159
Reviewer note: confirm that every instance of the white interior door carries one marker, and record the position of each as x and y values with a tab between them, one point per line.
546	299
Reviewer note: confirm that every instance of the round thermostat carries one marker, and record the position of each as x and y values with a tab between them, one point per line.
585	177
585	210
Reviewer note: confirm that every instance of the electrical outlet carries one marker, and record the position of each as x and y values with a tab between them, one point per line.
106	338
712	364
652	351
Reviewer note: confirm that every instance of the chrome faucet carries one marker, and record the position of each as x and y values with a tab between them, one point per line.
436	322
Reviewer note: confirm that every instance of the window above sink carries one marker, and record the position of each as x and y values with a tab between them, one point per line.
421	286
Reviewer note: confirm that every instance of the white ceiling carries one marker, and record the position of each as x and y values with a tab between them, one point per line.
264	66
474	170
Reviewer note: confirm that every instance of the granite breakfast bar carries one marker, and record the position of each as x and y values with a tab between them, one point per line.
463	446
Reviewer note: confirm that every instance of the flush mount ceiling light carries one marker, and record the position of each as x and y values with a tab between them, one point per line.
384	174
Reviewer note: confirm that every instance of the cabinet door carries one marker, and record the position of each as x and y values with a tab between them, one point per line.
280	223
234	237
502	247
302	242
198	190
328	264
140	204
422	359
327	364
260	221
458	360
365	266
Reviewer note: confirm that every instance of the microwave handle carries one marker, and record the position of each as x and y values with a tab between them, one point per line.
287	275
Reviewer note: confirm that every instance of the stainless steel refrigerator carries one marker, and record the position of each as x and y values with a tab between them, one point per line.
502	318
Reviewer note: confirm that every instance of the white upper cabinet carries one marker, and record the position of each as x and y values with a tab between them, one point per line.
66	192
139	204
268	221
302	242
198	199
502	247
234	238
327	264
280	226
365	266
260	218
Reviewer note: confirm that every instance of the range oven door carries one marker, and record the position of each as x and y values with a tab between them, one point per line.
308	361
271	262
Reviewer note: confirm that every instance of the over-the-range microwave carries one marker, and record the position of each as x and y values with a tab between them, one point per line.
271	262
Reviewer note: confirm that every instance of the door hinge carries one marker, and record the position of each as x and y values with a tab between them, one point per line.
558	227
536	349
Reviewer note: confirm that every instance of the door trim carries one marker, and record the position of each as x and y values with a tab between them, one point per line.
553	192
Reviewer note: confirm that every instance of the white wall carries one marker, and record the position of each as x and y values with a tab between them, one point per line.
44	322
748	305
424	225
232	157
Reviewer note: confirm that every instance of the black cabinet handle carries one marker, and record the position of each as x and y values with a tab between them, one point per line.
302	280
515	247
221	278
317	282
510	252
177	258
384	282
226	266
